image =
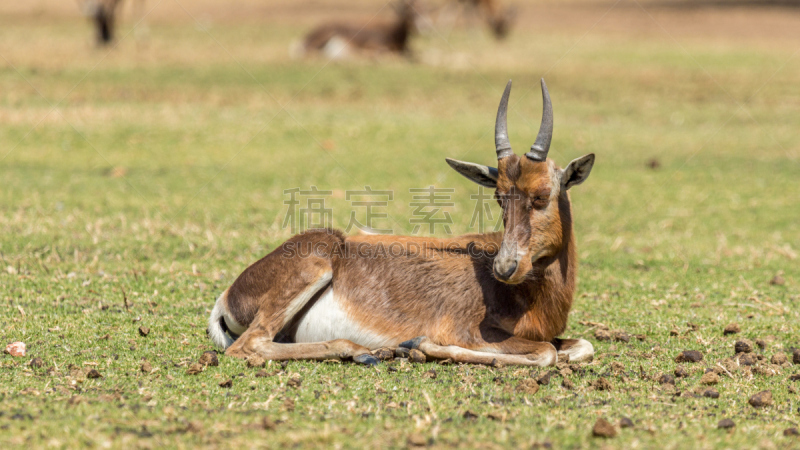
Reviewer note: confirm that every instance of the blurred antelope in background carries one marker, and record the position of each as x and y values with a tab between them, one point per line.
478	298
340	39
498	18
104	14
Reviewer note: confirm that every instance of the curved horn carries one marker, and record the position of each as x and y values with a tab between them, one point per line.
540	148
501	142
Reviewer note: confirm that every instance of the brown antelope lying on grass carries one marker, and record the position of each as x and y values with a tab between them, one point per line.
340	39
477	298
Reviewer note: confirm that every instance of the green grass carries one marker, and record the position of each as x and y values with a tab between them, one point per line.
206	151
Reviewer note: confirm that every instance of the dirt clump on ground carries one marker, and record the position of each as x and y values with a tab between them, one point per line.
666	379
620	336
761	399
730	365
295	380
194	369
710	378
726	424
469	415
731	328
602	335
777	280
617	367
37	363
384	354
528	386
689	356
711	393
743	346
544	380
779	358
602	384
602	428
767	370
209	358
746	359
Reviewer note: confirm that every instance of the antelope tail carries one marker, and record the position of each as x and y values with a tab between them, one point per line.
217	328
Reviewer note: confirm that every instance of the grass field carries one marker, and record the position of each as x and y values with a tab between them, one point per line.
139	181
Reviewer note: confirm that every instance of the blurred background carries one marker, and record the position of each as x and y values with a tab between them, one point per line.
179	124
149	149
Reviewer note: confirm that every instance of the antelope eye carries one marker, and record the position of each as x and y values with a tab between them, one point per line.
540	202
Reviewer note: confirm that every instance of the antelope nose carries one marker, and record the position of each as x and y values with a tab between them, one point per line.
504	273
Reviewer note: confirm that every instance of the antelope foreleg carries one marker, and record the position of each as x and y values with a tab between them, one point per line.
540	354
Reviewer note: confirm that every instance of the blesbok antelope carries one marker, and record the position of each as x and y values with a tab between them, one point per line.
477	298
339	39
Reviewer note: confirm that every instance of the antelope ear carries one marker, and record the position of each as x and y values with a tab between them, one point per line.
484	175
577	171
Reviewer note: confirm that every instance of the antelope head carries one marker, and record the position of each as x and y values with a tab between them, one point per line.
408	12
532	191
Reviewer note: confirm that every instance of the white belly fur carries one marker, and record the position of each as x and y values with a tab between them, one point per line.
327	320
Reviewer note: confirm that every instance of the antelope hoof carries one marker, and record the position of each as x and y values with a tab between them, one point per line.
579	350
413	343
366	359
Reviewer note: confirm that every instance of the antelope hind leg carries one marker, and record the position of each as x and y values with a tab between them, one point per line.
256	341
336	349
541	354
274	315
574	350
